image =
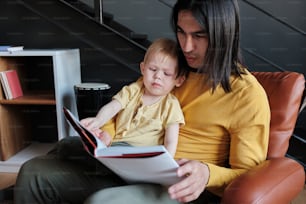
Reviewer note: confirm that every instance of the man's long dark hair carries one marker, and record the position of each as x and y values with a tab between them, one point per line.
220	18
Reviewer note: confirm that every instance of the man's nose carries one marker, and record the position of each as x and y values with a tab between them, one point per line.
189	44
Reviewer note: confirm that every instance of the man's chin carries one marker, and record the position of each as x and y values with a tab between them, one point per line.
193	65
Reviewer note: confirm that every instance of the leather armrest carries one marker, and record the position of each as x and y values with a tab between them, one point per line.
277	180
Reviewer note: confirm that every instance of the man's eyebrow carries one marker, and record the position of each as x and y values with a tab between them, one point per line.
178	27
202	31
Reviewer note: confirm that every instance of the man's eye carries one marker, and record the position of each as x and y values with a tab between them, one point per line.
178	30
200	35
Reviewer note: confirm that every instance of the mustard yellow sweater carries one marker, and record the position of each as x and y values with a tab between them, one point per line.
227	131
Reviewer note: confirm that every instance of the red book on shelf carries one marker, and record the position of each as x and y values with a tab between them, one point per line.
13	82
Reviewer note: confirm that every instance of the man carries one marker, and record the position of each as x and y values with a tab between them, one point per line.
226	132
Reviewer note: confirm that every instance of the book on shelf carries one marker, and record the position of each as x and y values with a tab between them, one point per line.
5	86
152	164
11	84
9	48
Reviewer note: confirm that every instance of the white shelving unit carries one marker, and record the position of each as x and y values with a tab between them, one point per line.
47	78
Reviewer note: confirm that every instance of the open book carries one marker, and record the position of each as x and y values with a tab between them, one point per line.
152	164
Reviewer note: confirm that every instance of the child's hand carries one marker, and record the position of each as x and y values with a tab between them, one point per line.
92	124
105	137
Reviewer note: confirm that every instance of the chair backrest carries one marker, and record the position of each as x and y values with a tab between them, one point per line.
285	92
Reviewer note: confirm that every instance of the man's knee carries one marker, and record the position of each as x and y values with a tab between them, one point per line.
140	193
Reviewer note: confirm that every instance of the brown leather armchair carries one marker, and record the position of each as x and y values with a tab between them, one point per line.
278	179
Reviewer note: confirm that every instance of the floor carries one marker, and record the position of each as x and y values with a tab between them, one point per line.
301	199
8	179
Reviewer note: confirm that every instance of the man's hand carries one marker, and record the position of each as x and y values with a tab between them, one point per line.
196	177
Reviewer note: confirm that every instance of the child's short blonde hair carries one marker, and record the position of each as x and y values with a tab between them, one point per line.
166	47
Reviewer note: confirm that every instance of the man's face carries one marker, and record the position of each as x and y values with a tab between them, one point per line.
192	38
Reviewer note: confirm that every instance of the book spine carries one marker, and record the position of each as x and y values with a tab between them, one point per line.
5	86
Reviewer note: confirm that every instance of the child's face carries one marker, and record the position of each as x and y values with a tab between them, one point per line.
159	75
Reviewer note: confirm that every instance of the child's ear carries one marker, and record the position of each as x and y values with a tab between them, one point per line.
180	80
142	66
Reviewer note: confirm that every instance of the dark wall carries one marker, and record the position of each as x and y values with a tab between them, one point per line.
272	37
105	55
273	34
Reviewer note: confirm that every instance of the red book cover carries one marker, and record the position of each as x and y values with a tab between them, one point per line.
14	83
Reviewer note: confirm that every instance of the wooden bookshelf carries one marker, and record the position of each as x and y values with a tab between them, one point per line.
47	78
31	99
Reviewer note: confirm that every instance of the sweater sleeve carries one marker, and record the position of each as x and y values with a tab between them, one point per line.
249	136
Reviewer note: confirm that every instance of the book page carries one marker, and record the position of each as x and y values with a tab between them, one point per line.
152	164
130	151
159	169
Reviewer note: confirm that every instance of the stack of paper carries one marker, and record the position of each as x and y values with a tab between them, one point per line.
8	48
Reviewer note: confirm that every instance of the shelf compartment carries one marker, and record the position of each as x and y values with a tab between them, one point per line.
47	78
13	164
31	99
14	131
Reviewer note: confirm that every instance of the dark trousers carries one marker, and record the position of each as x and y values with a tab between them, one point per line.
68	174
